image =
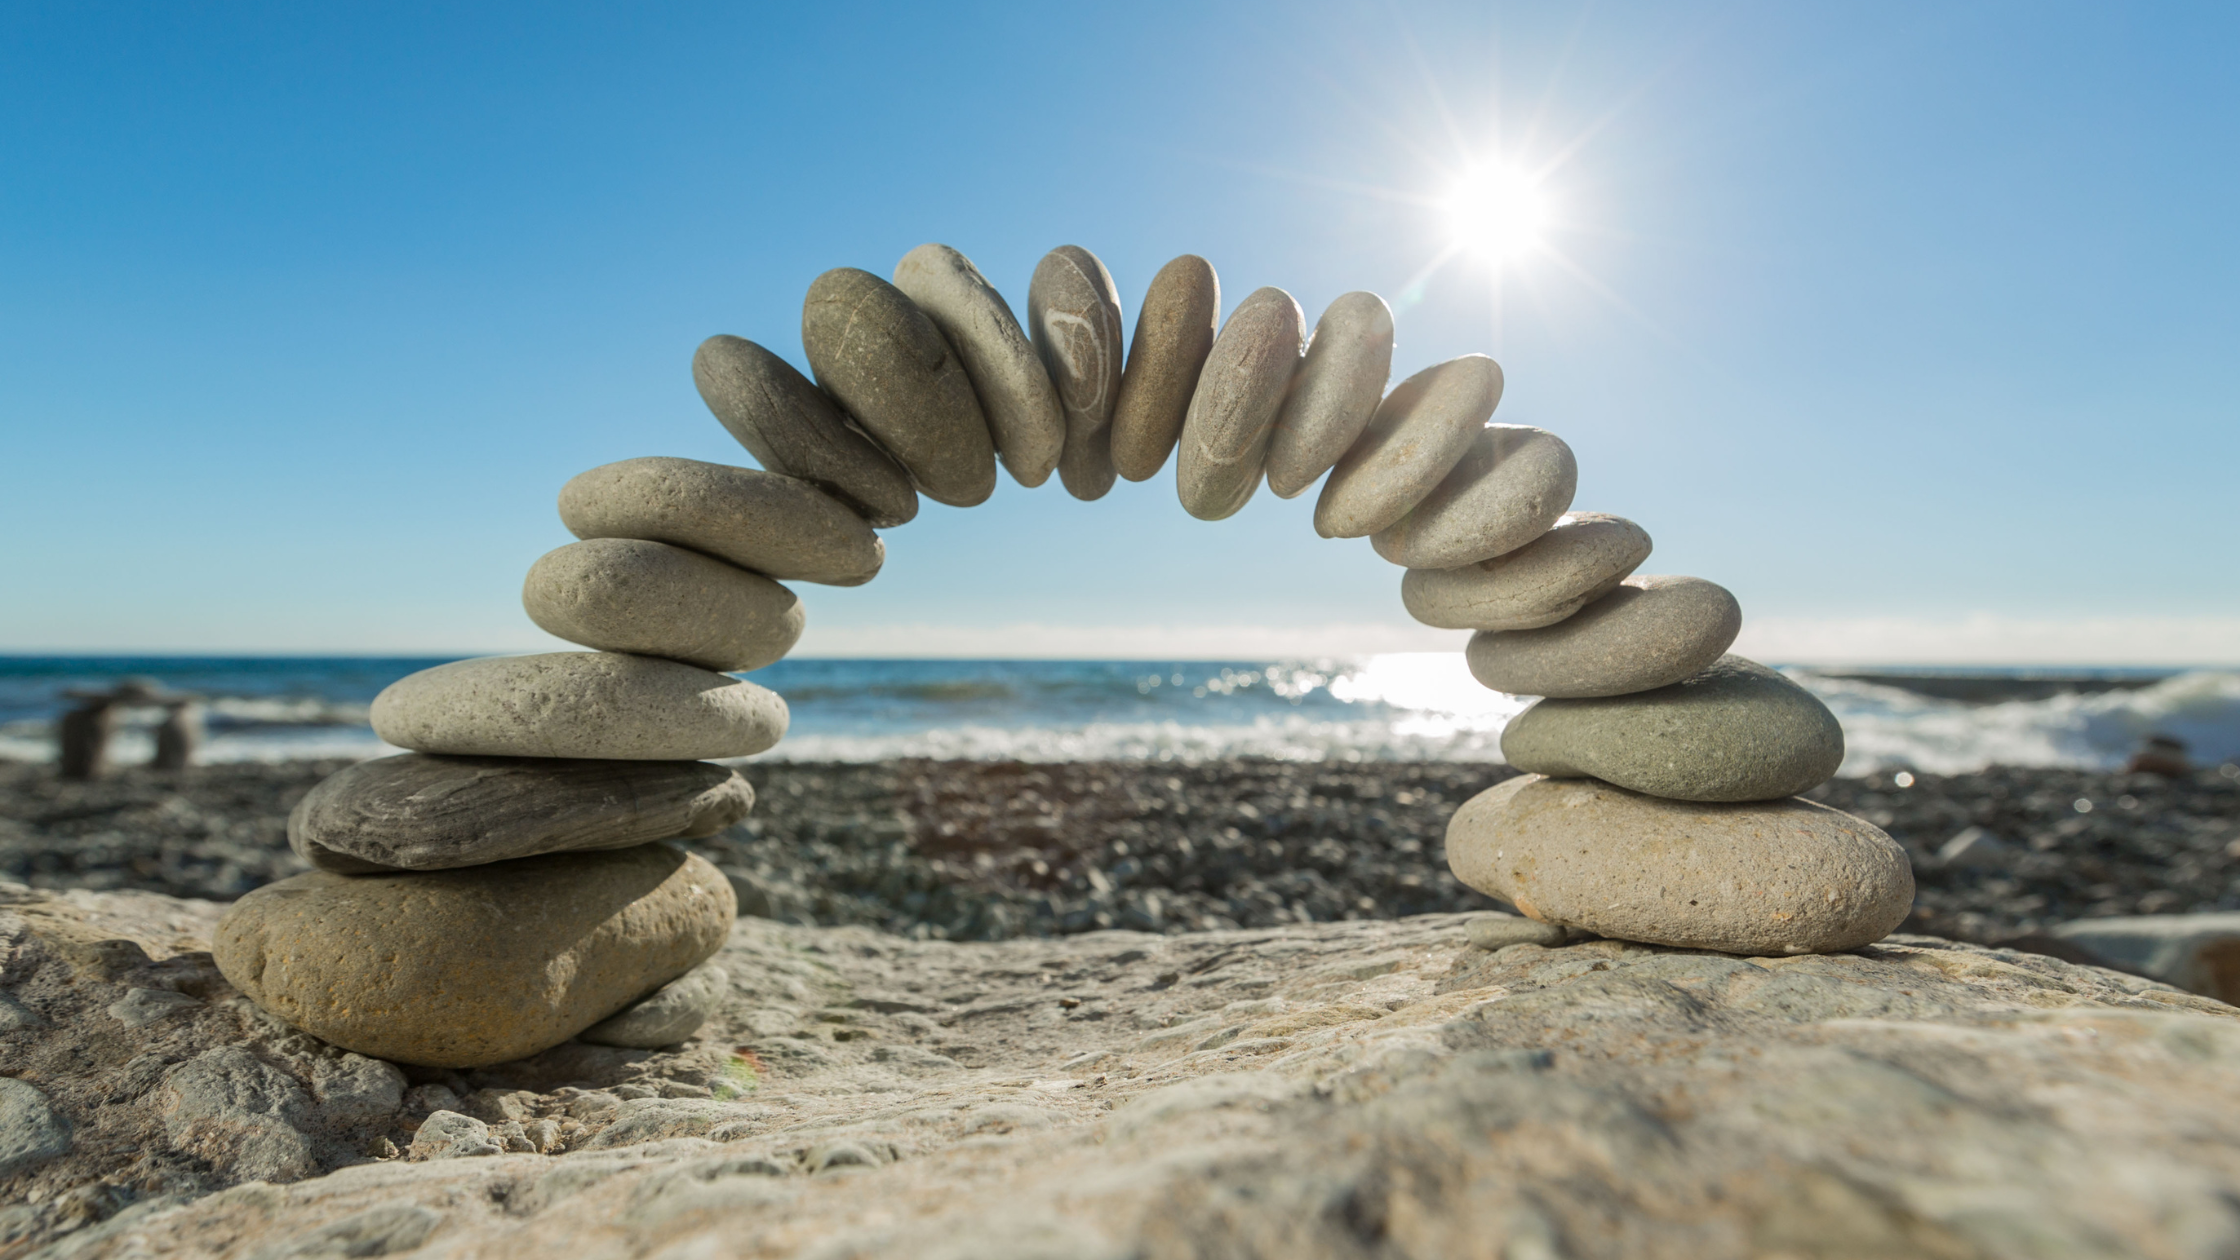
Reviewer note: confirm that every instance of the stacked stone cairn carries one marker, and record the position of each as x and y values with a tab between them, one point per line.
503	886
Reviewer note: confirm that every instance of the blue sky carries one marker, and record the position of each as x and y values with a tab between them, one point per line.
1912	324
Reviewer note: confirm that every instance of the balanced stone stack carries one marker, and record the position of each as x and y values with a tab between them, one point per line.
503	886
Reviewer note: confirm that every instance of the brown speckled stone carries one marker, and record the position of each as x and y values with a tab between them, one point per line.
1772	877
473	967
1580	560
1174	333
1650	632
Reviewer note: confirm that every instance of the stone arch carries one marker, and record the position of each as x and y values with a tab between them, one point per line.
1660	803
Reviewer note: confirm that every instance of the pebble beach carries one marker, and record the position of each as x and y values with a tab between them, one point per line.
989	850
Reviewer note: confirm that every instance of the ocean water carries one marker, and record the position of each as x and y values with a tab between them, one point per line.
1395	706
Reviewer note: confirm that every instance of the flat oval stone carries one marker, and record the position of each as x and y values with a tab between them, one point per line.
1734	732
1233	411
1650	632
666	1016
1073	314
1581	559
467	968
1334	394
792	427
630	595
422	813
578	704
1174	333
1418	433
1014	389
1506	490
885	362
772	524
1772	877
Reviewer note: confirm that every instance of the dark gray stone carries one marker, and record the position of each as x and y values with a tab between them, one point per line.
423	813
885	361
794	428
1734	732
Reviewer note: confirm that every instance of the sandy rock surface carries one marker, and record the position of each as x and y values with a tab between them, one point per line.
1347	1089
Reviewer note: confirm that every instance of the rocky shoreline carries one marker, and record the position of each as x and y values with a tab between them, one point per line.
994	850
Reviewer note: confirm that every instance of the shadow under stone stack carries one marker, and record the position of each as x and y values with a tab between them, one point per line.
503	887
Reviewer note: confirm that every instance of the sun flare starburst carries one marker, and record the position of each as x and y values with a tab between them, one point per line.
1496	212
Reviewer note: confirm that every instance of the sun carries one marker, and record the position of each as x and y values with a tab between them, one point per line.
1497	212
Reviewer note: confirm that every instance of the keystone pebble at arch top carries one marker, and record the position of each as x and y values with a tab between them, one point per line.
526	822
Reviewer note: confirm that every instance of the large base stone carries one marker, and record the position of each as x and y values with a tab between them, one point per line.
470	967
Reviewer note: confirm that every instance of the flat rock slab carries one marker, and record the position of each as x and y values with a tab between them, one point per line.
422	813
602	705
1122	1094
